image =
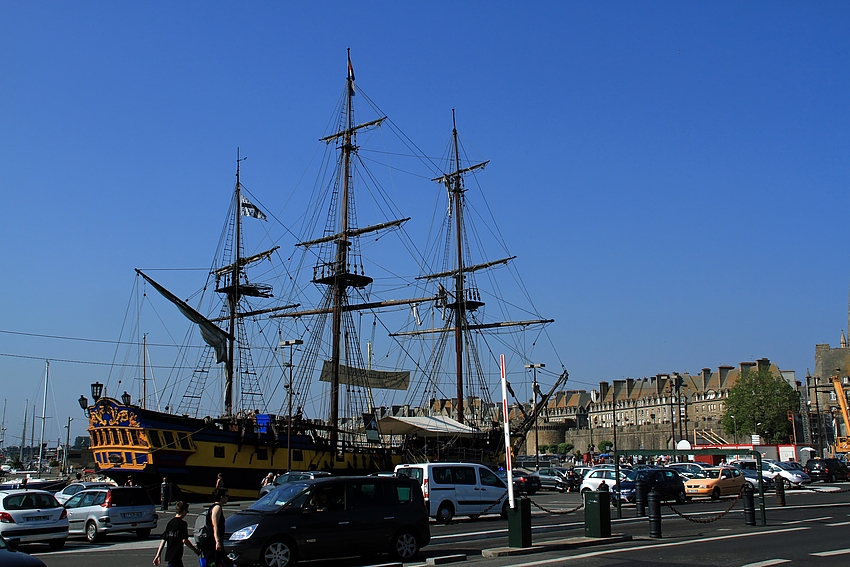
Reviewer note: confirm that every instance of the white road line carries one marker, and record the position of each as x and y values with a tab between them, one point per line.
830	553
767	562
656	546
808	520
839	524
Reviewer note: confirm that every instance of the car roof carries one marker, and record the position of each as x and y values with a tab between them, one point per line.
25	490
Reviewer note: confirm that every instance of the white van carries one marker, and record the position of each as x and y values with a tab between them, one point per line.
458	489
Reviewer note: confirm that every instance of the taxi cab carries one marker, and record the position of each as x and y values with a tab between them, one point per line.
716	482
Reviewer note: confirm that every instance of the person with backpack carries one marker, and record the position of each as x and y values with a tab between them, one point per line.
176	534
212	546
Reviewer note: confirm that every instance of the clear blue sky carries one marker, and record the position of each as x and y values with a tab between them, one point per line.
672	175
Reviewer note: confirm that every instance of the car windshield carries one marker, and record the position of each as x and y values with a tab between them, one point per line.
278	497
641	474
785	466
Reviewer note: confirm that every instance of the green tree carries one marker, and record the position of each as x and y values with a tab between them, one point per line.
760	402
605	445
564	448
543	448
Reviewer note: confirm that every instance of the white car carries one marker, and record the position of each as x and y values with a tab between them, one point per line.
65	494
33	516
595	477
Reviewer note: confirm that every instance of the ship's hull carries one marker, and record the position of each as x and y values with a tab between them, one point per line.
129	441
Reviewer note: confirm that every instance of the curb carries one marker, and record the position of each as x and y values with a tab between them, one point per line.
555	545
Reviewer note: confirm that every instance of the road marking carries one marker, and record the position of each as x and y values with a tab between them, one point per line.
767	562
808	520
656	546
839	524
830	553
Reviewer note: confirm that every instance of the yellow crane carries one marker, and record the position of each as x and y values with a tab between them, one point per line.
842	444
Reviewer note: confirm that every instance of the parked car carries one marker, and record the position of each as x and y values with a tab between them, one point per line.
788	474
458	489
330	517
752	477
716	482
550	477
99	511
11	557
65	494
595	477
291	476
33	516
689	470
524	483
830	470
665	481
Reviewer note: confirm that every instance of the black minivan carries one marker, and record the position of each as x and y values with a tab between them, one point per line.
827	470
330	517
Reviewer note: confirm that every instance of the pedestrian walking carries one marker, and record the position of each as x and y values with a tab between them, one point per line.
213	547
165	493
219	482
176	534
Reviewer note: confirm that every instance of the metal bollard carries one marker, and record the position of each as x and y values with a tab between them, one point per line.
653	501
640	499
749	505
780	491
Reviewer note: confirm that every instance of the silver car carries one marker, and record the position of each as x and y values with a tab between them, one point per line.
66	493
99	511
33	516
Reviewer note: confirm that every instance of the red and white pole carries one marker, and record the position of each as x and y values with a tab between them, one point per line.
508	464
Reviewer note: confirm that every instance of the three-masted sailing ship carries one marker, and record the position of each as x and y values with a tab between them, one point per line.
314	354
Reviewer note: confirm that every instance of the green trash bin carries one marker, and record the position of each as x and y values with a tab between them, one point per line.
597	514
519	523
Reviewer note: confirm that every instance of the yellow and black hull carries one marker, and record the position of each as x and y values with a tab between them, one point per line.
128	441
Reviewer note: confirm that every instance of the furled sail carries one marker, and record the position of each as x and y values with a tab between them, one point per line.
211	333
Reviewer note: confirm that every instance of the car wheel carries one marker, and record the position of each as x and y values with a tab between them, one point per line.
680	497
585	489
715	494
278	553
405	547
91	532
445	513
56	544
505	507
143	534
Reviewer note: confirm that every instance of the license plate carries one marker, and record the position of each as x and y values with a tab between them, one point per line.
131	515
693	490
36	518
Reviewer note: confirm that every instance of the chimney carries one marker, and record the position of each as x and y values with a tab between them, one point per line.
763	363
603	390
706	377
747	366
724	374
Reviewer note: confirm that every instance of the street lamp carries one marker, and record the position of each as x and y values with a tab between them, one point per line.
757	431
291	343
67	444
735	425
126	398
535	389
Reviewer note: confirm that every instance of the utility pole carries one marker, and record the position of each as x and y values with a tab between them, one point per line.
535	389
3	428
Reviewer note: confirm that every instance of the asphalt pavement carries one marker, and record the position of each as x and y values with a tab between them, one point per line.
811	529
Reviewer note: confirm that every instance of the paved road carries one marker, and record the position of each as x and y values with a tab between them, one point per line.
812	529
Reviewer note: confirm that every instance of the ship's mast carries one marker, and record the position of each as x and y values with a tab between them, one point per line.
460	314
233	295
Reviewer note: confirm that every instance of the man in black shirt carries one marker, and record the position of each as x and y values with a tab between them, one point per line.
175	535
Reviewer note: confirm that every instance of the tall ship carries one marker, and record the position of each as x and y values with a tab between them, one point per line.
326	358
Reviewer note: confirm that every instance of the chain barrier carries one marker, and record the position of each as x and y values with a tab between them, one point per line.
705	520
557	512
